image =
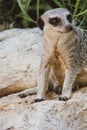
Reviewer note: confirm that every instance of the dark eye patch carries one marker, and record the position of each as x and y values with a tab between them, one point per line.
54	21
40	23
69	18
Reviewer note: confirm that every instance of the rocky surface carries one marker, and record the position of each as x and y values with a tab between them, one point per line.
19	63
20	114
19	59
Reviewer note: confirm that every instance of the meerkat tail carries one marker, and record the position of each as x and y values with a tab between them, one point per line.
28	92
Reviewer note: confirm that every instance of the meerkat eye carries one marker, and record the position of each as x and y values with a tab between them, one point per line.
69	18
54	21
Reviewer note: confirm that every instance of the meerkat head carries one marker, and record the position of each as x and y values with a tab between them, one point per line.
59	20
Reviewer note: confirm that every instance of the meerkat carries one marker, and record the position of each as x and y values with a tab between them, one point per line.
64	55
61	38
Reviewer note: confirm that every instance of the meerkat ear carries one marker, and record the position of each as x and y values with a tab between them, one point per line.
40	23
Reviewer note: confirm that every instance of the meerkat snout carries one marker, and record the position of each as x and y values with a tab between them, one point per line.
69	27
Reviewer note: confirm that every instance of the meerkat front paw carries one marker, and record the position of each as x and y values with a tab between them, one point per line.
63	98
38	100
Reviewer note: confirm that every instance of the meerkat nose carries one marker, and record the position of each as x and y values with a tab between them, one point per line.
69	28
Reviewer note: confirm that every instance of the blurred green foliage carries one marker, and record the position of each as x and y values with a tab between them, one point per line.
24	13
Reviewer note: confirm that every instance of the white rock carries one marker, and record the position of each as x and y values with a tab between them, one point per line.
19	114
19	59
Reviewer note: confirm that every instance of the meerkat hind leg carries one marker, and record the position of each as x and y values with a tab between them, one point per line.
58	89
80	81
79	85
54	86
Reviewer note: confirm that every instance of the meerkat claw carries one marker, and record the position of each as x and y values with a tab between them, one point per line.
63	98
38	100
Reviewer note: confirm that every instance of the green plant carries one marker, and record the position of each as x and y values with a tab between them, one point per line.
24	13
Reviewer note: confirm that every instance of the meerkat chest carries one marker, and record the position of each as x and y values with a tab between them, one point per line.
50	42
